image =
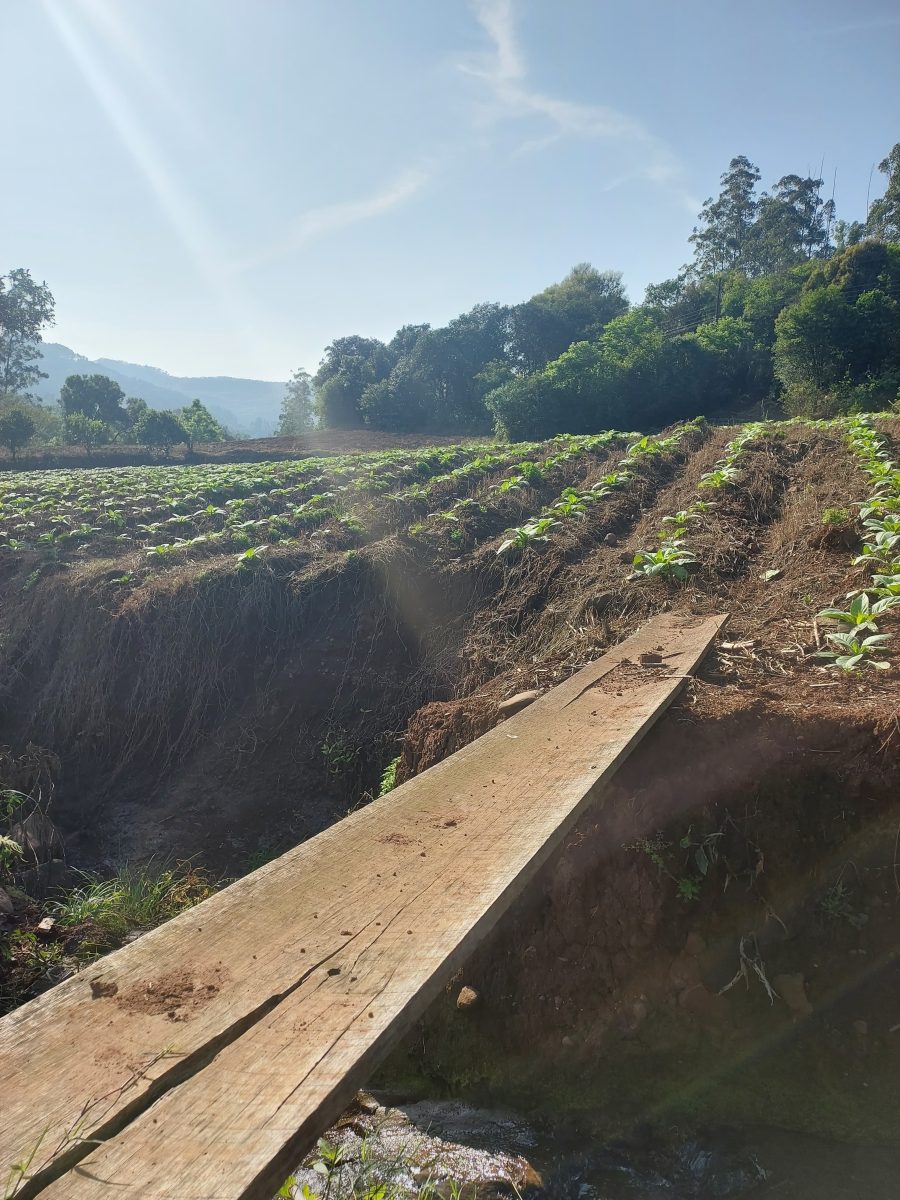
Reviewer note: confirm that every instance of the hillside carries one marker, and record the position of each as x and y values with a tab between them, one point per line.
220	660
248	407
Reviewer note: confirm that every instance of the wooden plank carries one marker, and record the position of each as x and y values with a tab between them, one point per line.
224	1041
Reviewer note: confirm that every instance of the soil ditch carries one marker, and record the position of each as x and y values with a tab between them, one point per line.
717	940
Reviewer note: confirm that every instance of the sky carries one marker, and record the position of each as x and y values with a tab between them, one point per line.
221	187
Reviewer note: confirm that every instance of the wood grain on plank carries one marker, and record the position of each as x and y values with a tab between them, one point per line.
254	1017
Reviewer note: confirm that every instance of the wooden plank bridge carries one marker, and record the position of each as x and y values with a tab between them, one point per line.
203	1060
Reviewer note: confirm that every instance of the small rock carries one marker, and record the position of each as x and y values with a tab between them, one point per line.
567	1041
792	990
468	998
695	945
46	926
516	703
611	539
6	904
367	1103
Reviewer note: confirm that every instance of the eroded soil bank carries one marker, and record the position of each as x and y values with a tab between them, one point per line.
751	842
717	942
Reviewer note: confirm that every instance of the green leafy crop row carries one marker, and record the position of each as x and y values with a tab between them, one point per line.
858	641
672	558
575	504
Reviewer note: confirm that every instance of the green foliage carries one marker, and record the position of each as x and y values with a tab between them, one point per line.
297	405
724	237
573	310
89	432
574	503
17	427
837	904
95	397
160	429
861	614
702	852
847	649
134	898
26	309
836	516
10	854
688	888
389	777
884	213
671	560
199	425
528	534
838	345
337	752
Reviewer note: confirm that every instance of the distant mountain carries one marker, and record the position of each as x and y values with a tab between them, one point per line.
249	407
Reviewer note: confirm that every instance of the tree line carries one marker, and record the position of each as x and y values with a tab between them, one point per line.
92	409
782	306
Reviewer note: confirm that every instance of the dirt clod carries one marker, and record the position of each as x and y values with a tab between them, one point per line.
101	988
468	999
177	994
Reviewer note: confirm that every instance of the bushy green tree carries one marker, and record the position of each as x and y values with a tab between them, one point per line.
679	305
95	396
730	369
884	213
17	428
136	407
298	412
843	333
81	430
26	309
349	365
402	402
199	425
160	429
573	310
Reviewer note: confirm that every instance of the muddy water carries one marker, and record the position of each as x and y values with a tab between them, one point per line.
501	1153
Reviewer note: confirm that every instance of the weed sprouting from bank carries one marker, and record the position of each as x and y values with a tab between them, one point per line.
135	898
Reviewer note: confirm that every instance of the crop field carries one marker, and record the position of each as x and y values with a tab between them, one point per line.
293	618
176	511
214	662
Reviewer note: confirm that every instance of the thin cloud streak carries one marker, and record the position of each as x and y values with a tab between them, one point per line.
318	222
504	73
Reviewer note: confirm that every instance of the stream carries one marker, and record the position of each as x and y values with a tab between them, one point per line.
494	1153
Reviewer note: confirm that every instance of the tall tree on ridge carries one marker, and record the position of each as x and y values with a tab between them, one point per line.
793	225
26	308
884	213
723	238
297	405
